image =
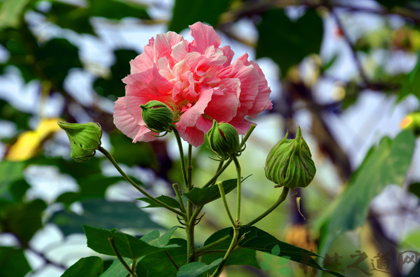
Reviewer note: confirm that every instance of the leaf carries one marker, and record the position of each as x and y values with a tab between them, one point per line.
23	219
105	214
128	246
69	16
153	238
242	256
260	240
113	86
159	265
283	260
202	196
284	271
411	82
196	268
115	9
198	10
276	250
117	269
165	199
268	257
287	42
385	164
9	173
86	267
13	262
11	13
265	265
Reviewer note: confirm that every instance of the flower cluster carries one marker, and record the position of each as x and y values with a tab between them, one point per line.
196	78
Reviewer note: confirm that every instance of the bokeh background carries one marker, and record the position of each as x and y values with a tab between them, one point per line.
347	72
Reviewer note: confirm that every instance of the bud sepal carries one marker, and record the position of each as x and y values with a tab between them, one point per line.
223	140
158	116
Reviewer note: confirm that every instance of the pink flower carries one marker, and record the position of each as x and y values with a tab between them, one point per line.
199	79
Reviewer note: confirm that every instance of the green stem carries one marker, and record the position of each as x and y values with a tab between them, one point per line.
228	252
222	194
189	228
117	253
190	168
111	159
181	154
214	178
172	260
238	171
281	199
133	267
175	186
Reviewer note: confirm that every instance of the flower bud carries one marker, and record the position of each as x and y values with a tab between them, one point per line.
223	139
84	139
157	116
290	163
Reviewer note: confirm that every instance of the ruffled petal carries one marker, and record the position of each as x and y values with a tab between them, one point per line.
204	36
192	135
144	61
190	116
224	105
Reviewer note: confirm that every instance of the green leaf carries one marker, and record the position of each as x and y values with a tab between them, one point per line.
268	257
411	82
165	199
196	268
265	265
112	86
385	164
13	262
11	13
128	246
287	42
117	269
105	214
284	271
22	219
9	173
283	260
71	17
159	265
275	251
86	267
153	238
260	240
115	9
202	196
198	10
242	256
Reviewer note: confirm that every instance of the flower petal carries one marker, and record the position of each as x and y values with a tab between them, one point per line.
144	61
192	135
190	117
204	36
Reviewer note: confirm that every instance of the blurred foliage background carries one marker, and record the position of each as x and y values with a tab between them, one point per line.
345	71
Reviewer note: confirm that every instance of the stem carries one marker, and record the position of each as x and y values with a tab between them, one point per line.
281	199
133	267
238	171
114	247
181	154
111	159
228	252
178	195
214	178
222	194
172	260
190	215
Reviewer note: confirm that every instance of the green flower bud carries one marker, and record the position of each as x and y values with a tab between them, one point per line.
223	139
290	163
84	139
158	116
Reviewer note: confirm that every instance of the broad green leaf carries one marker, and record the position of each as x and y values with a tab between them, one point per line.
117	269
13	262
165	199
105	214
128	246
196	268
260	240
202	196
275	251
22	219
113	87
153	238
198	10
287	42
284	271
411	82
385	164
159	265
11	13
9	173
242	256
86	267
115	9
265	266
